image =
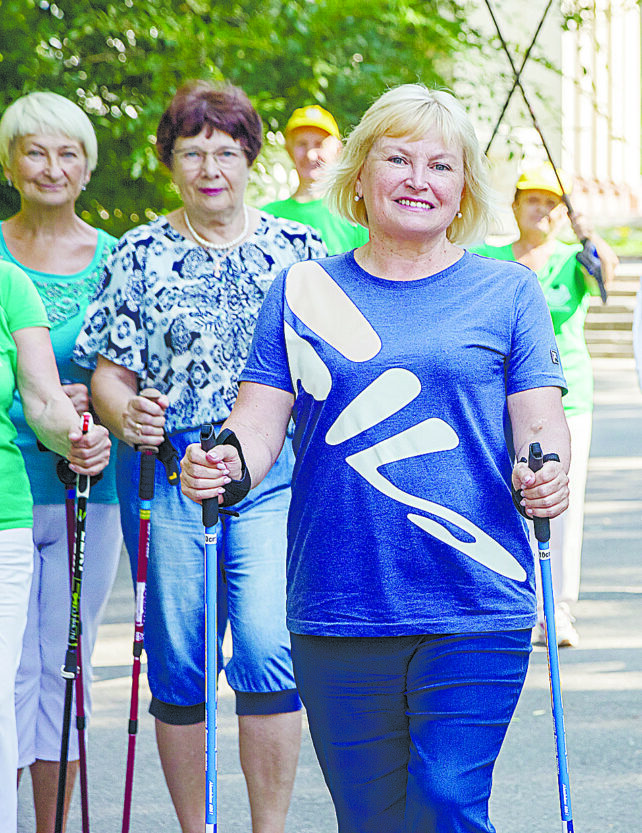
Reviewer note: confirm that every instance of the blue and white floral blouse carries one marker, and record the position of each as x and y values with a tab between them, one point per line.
163	314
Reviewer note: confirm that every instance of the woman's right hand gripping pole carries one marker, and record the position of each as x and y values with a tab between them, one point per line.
144	418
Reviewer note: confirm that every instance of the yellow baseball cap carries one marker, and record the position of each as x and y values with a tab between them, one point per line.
313	116
542	178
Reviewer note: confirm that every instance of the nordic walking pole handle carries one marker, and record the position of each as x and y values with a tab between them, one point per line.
590	260
210	505
82	480
147	457
542	526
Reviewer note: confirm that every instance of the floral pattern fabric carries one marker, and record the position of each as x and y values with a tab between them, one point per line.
163	314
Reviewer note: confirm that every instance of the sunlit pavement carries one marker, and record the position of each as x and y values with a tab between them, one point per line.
602	684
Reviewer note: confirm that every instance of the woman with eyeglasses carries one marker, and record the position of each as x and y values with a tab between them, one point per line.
177	311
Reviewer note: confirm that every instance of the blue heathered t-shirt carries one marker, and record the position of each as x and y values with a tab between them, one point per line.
401	520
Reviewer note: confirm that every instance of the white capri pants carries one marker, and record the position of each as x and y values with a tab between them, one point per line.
16	563
40	688
567	530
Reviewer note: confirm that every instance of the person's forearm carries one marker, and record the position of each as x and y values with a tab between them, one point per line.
110	394
259	450
51	420
552	439
552	435
260	419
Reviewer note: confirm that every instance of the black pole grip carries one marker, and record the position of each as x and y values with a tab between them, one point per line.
590	260
210	505
542	526
147	474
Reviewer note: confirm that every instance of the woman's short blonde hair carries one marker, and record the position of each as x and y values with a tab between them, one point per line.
414	111
49	114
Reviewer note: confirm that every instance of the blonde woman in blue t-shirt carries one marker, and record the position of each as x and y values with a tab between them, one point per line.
48	151
410	596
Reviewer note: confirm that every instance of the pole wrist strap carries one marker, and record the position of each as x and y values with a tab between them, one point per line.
235	490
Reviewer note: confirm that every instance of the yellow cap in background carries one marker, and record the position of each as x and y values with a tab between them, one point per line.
313	116
542	178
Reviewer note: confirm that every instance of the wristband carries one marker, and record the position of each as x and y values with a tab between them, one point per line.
68	477
235	490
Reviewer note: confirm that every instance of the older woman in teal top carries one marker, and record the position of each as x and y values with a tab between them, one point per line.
539	212
48	151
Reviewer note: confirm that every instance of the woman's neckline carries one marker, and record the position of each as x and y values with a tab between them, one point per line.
457	255
454	266
93	263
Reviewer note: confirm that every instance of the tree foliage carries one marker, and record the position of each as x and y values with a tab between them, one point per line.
121	60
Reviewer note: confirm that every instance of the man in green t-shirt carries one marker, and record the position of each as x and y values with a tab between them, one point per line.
313	141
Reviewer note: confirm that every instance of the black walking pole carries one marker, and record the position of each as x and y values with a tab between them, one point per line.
68	479
70	668
518	76
588	257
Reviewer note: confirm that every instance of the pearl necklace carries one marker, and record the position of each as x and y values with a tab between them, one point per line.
223	248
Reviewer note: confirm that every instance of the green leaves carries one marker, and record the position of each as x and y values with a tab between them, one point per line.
122	61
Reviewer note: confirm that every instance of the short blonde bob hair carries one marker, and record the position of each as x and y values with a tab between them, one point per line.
414	111
49	114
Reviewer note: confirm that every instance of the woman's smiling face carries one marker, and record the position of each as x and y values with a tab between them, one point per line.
48	170
411	188
211	172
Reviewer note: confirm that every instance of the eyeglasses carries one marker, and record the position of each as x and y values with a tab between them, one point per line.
192	159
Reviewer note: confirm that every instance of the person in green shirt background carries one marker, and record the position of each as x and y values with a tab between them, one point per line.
313	142
540	212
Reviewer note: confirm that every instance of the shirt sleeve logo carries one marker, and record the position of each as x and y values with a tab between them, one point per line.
555	357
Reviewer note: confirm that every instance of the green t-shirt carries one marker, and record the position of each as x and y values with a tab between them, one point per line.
567	291
20	306
338	234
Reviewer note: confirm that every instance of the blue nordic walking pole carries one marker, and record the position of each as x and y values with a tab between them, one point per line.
543	533
210	520
235	492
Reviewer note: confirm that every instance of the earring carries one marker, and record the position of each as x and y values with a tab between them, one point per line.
357	197
9	182
84	188
459	215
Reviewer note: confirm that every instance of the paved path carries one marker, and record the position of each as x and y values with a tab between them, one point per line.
602	683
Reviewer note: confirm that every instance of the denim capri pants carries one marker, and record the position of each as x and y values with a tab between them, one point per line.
251	591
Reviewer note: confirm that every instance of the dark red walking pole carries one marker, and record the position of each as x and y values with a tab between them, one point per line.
145	494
